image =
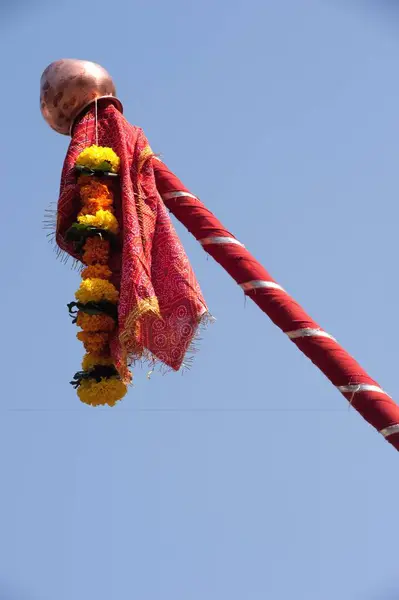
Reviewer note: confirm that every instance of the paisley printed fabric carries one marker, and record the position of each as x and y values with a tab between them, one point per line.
161	304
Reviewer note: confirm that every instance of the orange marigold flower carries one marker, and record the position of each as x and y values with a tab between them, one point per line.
84	179
94	190
94	323
93	206
96	343
97	272
96	251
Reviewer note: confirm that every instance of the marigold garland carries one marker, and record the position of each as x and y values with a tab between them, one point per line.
94	323
91	360
93	206
97	290
98	393
102	219
99	158
91	189
97	272
97	342
98	384
96	251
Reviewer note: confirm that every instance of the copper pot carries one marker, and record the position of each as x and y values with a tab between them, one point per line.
68	86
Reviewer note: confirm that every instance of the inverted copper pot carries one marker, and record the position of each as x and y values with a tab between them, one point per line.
68	86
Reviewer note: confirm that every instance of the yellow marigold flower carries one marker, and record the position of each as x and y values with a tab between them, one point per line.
97	272
99	158
92	360
99	393
103	219
95	323
95	343
97	290
96	251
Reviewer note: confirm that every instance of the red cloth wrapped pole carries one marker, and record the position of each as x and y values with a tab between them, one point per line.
364	394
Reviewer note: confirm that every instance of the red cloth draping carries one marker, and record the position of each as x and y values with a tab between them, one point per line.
161	304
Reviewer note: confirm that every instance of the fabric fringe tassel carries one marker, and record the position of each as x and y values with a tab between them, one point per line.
50	224
147	360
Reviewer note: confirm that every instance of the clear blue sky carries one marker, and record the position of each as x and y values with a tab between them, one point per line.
248	478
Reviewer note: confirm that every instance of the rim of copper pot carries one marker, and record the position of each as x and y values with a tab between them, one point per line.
110	98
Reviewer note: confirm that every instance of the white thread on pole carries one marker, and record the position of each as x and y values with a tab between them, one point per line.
171	195
391	430
219	240
260	284
308	332
357	388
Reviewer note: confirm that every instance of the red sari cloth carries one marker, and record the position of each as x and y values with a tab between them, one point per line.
161	304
